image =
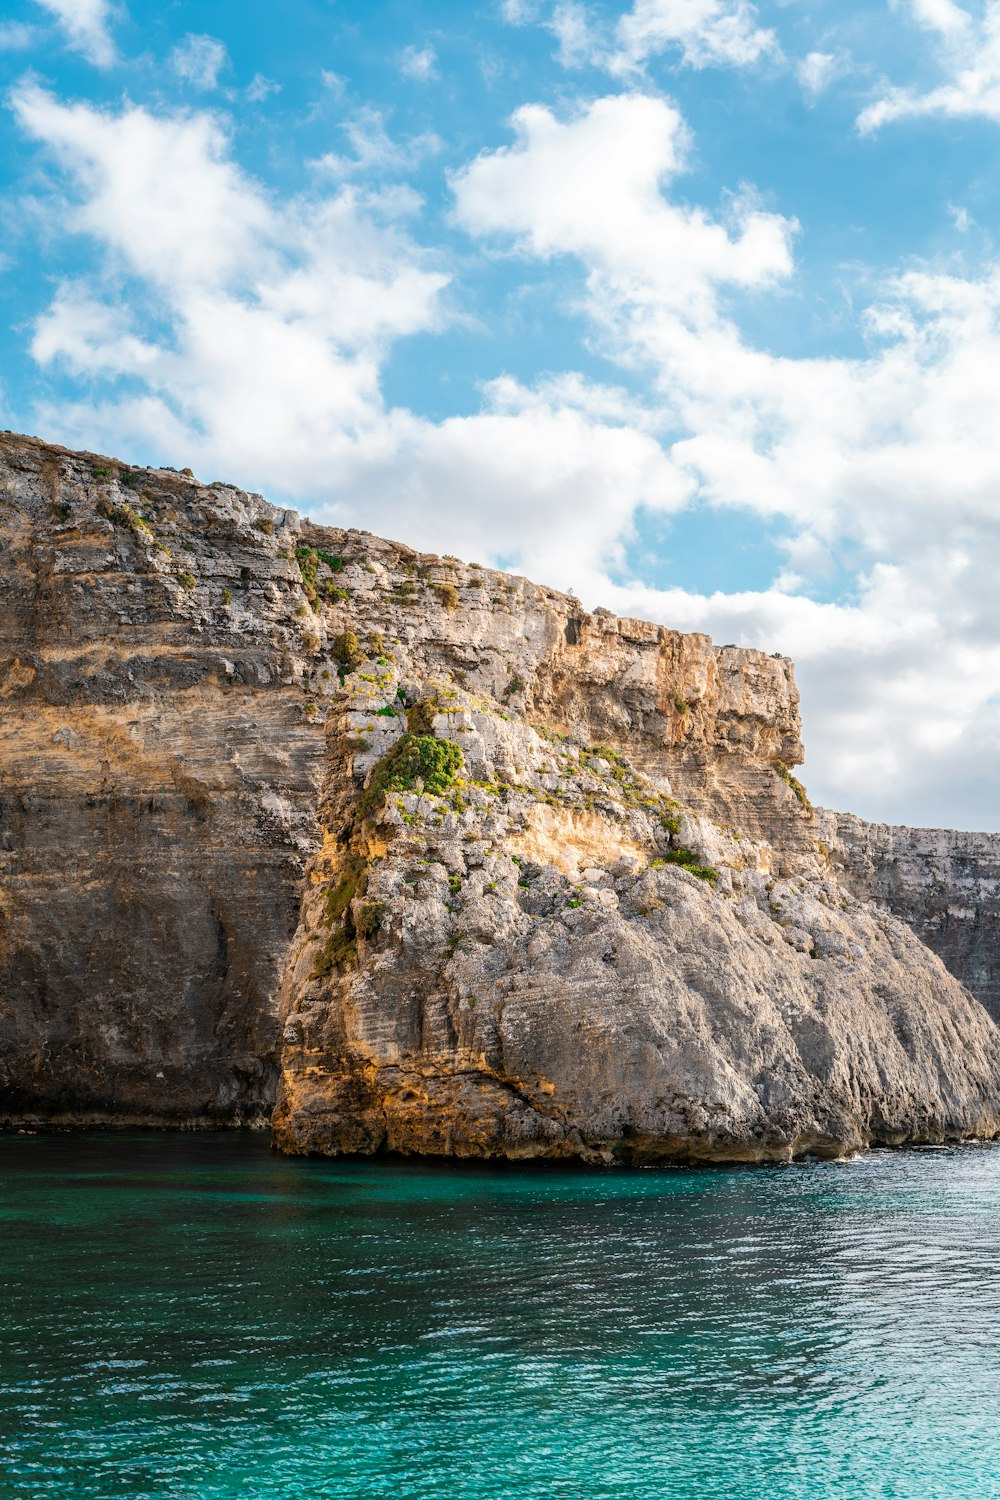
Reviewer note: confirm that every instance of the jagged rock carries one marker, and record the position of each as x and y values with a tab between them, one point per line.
616	934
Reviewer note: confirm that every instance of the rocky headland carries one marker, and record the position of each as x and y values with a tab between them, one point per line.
409	855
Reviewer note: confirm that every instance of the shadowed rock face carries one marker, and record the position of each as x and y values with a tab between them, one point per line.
157	798
197	690
943	883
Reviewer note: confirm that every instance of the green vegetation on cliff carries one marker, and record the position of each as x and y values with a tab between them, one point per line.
415	762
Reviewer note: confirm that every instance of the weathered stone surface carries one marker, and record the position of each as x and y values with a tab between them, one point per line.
158	786
196	687
552	957
943	883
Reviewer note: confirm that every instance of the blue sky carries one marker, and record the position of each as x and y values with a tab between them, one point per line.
688	305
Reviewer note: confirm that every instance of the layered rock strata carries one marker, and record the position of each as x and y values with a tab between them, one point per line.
158	784
168	651
206	699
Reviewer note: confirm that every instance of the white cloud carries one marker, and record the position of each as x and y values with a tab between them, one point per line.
15	36
268	317
88	334
698	33
943	16
199	60
87	26
592	187
571	27
520	12
706	33
162	196
582	39
260	88
532	479
374	151
816	71
967	48
419	63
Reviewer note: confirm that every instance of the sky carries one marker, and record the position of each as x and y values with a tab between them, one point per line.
687	306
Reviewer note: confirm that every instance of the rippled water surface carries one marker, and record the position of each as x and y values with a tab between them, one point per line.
189	1316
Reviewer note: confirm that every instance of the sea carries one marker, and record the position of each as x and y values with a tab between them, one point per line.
192	1317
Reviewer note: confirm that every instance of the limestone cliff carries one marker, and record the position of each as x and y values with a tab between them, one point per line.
514	943
609	932
944	884
158	784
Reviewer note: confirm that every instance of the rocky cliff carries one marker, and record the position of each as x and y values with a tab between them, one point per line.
158	784
474	871
944	884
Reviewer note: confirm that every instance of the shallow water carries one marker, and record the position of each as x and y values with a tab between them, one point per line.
190	1316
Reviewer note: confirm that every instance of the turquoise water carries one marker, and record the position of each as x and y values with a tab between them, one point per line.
192	1318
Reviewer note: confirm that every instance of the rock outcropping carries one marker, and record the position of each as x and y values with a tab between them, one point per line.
474	871
513	943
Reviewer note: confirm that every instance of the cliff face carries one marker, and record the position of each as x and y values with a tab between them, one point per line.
207	699
157	794
943	884
166	664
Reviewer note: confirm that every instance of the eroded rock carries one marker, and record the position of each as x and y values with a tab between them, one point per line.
596	972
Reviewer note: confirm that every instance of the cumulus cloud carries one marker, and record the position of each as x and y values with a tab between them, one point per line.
373	151
706	33
199	60
943	16
519	12
87	25
695	33
592	187
571	27
532	480
967	48
308	289
816	71
162	194
260	88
